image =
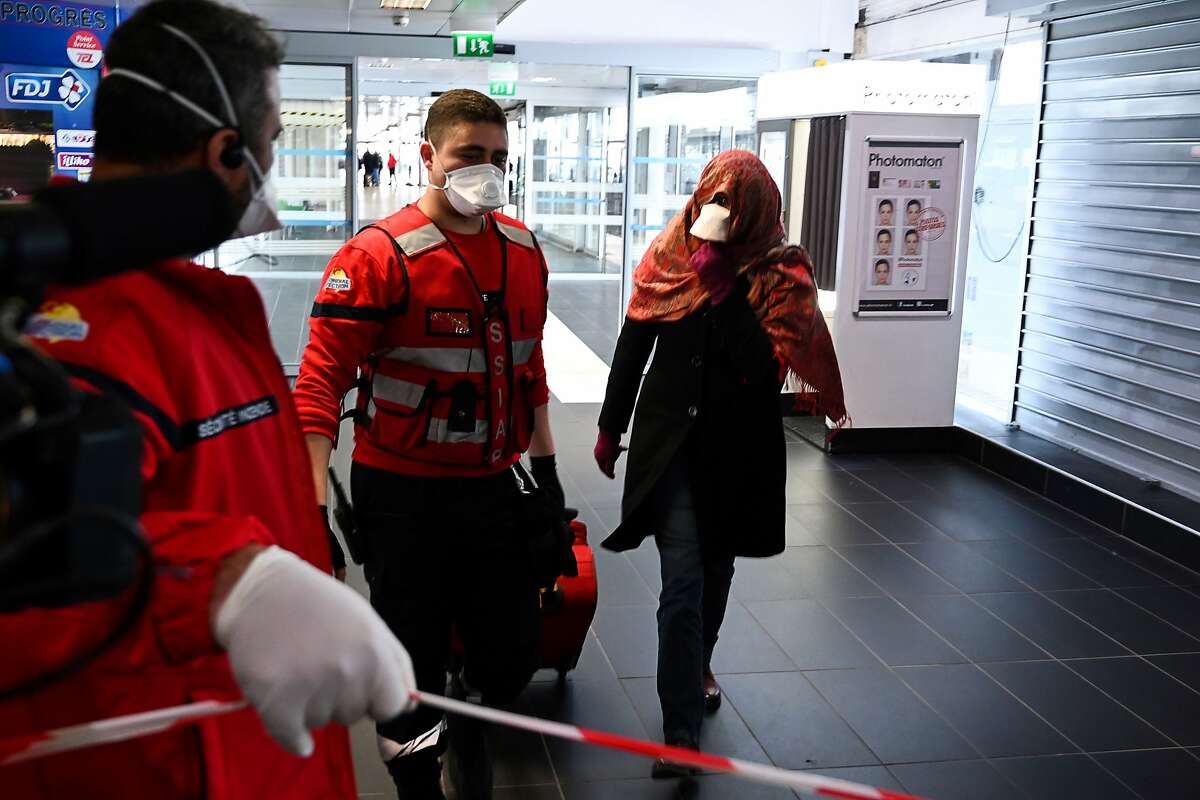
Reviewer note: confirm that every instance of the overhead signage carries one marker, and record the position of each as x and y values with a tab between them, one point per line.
75	160
84	49
51	54
906	259
908	87
66	88
473	44
75	138
57	15
502	88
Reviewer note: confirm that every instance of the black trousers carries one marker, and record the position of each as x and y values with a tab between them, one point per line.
448	554
691	606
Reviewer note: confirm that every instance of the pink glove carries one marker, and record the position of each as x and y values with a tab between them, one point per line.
608	450
715	273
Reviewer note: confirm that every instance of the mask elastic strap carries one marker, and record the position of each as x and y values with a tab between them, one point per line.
445	174
174	95
255	168
212	70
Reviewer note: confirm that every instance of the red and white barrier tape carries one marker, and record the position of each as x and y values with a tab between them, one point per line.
118	729
106	731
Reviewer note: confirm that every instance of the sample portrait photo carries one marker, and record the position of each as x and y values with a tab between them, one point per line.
912	243
912	210
881	273
883	242
886	213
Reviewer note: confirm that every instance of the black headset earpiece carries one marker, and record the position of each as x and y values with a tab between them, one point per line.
234	155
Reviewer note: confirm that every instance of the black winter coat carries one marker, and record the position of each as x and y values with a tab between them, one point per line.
712	389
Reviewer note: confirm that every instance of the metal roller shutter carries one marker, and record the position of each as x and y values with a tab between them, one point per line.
1110	353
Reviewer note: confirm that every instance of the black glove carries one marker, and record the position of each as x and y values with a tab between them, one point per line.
545	473
337	555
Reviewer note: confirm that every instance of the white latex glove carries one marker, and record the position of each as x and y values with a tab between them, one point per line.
306	649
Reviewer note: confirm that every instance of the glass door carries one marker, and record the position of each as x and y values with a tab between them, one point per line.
575	195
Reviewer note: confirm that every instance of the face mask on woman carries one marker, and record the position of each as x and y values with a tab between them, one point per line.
713	223
475	190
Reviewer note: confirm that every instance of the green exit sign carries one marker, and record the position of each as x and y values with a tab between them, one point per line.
502	88
468	44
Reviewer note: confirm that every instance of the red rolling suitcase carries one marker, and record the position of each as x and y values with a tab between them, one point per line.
567	611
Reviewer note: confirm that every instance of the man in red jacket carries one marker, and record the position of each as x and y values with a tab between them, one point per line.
240	553
438	313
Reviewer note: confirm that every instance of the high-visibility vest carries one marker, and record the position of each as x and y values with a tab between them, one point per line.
450	384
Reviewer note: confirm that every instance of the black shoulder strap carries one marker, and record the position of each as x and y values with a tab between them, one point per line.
399	260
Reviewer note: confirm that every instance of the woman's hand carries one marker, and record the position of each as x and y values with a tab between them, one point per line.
716	274
608	450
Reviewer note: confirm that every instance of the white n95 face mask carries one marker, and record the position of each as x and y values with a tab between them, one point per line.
475	190
713	223
260	215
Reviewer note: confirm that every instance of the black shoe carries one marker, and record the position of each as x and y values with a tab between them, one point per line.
666	770
712	692
417	777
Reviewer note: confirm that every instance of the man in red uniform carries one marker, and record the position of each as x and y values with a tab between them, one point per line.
438	312
239	552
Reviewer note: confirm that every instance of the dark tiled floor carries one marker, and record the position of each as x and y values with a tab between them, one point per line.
929	628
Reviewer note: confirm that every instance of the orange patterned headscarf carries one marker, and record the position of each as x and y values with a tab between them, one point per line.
782	292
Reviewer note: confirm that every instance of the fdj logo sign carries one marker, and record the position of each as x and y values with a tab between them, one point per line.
66	88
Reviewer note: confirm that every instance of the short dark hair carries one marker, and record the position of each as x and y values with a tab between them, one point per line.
882	231
136	124
883	261
883	203
912	203
911	232
457	106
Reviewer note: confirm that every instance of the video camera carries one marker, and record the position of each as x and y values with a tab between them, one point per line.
70	462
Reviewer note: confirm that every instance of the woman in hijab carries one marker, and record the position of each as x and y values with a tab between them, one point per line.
728	308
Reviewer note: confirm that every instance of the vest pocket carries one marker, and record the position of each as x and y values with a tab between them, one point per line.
403	411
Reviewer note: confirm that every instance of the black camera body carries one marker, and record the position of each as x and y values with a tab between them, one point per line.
70	461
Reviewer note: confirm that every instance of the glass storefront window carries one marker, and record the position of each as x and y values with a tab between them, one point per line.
1004	174
680	124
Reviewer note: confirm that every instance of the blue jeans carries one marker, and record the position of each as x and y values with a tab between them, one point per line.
691	606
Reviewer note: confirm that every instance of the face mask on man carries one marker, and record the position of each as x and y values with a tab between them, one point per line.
259	214
475	190
713	223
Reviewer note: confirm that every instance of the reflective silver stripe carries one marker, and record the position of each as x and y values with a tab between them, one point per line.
389	749
439	432
457	359
420	239
397	391
523	350
442	359
515	235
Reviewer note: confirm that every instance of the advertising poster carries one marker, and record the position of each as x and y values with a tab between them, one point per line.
910	214
52	56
